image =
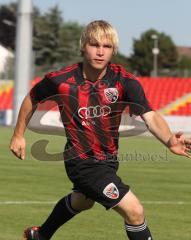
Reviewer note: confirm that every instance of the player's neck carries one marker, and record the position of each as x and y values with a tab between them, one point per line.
93	74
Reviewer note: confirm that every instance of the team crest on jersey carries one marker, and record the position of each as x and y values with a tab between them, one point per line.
111	94
111	191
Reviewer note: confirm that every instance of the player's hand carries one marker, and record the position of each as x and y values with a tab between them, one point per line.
17	146
180	145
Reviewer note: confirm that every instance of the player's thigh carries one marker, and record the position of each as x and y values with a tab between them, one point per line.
130	207
80	202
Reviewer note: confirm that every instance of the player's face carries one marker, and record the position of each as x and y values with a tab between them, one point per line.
98	54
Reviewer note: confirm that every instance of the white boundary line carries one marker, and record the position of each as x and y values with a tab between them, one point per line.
26	202
54	202
166	203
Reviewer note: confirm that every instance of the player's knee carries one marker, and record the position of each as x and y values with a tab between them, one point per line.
80	202
88	204
135	215
131	209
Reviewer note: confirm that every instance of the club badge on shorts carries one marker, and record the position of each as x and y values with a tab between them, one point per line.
111	191
111	94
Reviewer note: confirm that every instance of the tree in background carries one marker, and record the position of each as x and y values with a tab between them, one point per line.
142	57
184	63
46	37
122	60
69	40
184	66
8	25
55	42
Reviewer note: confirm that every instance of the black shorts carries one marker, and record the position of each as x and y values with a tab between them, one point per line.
97	180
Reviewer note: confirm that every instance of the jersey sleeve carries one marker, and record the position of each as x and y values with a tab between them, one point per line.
135	97
44	90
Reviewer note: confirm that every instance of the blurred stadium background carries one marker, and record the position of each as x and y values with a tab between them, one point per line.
160	179
163	68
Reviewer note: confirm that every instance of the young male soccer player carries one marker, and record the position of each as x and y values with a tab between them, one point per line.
91	97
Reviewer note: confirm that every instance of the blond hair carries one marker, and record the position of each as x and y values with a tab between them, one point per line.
96	31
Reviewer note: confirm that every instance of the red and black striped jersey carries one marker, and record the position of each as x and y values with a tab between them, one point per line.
91	111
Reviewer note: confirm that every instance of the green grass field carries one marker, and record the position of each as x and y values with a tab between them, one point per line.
161	180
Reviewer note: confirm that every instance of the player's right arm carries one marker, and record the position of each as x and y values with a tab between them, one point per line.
41	92
17	144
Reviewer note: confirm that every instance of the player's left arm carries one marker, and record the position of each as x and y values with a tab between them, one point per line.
157	125
139	105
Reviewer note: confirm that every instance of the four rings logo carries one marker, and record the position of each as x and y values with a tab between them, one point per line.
94	111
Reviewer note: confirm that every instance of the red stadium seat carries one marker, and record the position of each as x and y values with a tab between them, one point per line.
159	91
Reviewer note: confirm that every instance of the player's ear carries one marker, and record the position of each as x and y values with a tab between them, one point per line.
114	51
82	52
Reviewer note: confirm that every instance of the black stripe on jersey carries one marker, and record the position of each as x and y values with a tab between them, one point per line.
115	116
79	74
115	120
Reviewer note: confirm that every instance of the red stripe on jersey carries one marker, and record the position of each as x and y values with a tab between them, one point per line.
80	137
120	69
64	91
68	121
62	71
106	129
71	80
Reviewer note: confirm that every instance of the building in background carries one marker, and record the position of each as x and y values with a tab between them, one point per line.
184	61
184	51
6	63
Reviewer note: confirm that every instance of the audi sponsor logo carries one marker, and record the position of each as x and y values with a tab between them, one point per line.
94	111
